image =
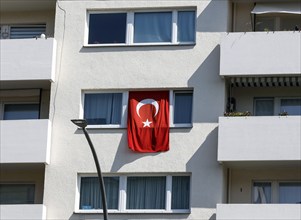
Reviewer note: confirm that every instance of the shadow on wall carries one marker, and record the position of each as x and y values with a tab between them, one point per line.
214	17
208	89
207	174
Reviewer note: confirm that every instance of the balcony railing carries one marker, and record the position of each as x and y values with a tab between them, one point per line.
25	141
261	138
19	212
261	54
258	211
27	59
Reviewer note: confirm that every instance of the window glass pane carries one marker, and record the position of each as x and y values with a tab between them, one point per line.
290	22
186	26
146	192
262	192
90	194
264	107
27	31
265	23
291	106
109	28
152	27
17	193
183	107
290	192
21	111
103	108
180	192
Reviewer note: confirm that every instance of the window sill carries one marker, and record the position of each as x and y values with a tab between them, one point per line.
139	45
104	126
146	211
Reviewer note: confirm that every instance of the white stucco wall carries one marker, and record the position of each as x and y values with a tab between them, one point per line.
258	211
260	53
25	141
262	138
27	59
19	212
192	150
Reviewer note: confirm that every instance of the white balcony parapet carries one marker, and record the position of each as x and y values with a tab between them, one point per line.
260	54
25	141
20	212
258	211
259	138
27	59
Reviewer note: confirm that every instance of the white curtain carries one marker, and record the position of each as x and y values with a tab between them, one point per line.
186	26
90	195
103	108
152	27
262	192
146	192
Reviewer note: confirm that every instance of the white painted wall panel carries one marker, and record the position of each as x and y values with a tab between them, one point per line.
258	211
271	138
25	141
27	59
19	212
260	53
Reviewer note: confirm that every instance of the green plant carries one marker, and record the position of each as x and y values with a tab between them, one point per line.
237	114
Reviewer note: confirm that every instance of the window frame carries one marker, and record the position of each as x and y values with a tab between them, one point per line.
275	190
2	107
277	104
124	111
123	190
22	184
130	19
172	109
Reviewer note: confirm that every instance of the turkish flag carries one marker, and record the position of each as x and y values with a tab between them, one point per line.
148	121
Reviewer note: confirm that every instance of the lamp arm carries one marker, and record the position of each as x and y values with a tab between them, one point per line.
100	177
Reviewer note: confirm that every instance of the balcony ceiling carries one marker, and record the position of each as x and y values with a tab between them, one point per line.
26	5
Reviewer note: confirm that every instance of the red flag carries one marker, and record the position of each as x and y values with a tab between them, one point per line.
148	121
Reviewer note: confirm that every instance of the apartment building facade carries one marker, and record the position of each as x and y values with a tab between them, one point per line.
211	60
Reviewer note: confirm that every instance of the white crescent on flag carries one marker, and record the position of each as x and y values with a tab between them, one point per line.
147	101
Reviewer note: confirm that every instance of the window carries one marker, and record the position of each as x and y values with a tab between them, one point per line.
103	108
290	192
107	110
131	28
22	31
107	28
278	22
21	111
90	191
262	192
277	192
264	106
291	106
17	193
134	193
182	107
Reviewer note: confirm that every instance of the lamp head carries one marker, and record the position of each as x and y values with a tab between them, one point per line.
82	123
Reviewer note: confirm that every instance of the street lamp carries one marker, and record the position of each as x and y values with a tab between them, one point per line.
82	123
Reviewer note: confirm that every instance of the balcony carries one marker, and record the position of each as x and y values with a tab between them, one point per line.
261	138
18	212
258	211
261	54
27	59
25	141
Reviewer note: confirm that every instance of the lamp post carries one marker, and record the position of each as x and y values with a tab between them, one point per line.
83	124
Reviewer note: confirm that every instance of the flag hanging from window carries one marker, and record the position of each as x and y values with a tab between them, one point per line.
148	121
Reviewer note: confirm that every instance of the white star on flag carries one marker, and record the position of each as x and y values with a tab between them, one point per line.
146	123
